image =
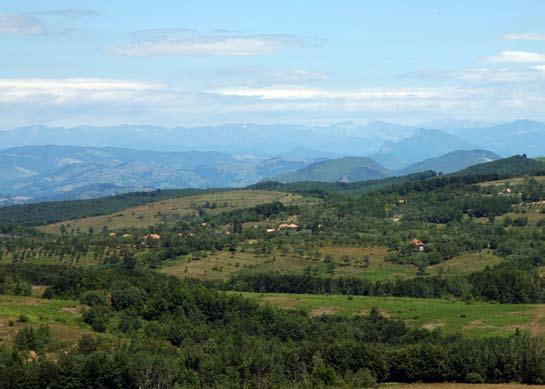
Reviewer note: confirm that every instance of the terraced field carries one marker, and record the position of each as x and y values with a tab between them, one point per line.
170	210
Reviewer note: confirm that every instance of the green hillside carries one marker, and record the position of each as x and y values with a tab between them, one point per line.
452	162
515	165
348	169
54	211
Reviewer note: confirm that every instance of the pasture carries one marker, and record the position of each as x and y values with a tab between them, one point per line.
474	319
62	316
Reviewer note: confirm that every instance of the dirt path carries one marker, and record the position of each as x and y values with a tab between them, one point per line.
539	313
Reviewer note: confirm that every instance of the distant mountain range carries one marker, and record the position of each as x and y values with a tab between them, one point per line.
392	145
269	140
243	155
421	145
54	172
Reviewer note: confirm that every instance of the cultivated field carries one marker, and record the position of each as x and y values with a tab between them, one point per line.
450	316
171	210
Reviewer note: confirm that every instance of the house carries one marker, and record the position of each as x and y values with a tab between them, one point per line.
111	234
126	236
152	236
269	230
290	226
418	244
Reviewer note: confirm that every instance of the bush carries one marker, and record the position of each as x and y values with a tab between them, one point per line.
22	318
93	298
474	378
29	339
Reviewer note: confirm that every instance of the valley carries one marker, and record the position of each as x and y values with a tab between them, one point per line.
423	261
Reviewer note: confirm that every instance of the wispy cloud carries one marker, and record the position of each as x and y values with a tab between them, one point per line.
66	13
516	57
62	91
264	76
20	24
524	36
182	42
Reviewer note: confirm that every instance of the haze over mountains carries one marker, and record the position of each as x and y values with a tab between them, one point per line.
41	163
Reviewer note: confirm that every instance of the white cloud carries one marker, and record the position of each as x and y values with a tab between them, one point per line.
303	93
503	75
78	90
516	57
524	36
20	24
187	42
263	76
67	13
91	100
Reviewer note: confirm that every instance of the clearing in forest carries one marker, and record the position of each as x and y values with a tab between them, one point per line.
450	316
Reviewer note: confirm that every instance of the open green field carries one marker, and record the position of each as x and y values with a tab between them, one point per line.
62	316
223	264
460	386
170	210
466	263
451	316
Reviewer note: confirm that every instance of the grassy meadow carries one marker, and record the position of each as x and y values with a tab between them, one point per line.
475	319
62	316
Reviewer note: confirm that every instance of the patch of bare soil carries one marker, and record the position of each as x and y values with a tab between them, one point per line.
74	310
323	311
536	328
433	326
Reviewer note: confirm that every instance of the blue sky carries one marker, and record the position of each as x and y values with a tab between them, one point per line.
207	62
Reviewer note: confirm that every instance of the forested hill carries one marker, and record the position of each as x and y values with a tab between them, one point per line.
506	167
347	169
54	211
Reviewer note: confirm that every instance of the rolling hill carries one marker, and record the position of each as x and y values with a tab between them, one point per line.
451	162
511	166
347	169
421	145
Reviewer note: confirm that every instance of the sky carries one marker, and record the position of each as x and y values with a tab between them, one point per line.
185	63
